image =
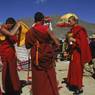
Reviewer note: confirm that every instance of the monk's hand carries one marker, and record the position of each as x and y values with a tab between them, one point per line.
72	39
18	24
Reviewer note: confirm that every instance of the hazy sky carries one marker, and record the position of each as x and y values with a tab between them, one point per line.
85	9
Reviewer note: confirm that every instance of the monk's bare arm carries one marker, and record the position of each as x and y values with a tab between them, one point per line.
12	32
15	29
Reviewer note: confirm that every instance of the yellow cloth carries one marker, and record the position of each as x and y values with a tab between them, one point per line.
22	33
2	37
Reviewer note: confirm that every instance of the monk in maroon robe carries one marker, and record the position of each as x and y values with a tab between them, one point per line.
80	54
43	79
10	79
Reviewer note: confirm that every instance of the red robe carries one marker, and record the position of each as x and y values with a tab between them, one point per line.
80	54
10	79
0	92
43	82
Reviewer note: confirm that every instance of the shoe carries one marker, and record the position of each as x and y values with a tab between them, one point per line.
23	83
77	92
93	76
71	88
64	80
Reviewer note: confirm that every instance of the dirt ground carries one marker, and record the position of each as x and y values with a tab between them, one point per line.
61	69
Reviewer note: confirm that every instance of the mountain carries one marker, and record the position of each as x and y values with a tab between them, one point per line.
90	27
60	32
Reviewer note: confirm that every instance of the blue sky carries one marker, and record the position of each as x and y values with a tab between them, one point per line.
85	9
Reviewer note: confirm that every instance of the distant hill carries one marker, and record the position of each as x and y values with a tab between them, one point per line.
60	32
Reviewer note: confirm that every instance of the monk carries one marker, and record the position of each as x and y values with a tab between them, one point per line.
43	77
80	54
10	79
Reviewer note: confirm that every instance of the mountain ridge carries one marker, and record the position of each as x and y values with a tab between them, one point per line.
60	32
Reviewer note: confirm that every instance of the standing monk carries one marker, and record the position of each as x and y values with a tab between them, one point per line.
80	54
10	79
43	77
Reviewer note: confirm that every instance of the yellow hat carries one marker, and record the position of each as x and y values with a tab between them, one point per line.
63	20
65	17
68	15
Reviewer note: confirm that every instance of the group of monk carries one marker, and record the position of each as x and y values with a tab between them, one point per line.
40	37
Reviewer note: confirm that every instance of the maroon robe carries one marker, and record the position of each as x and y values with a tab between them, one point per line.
80	54
10	79
0	92
43	82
